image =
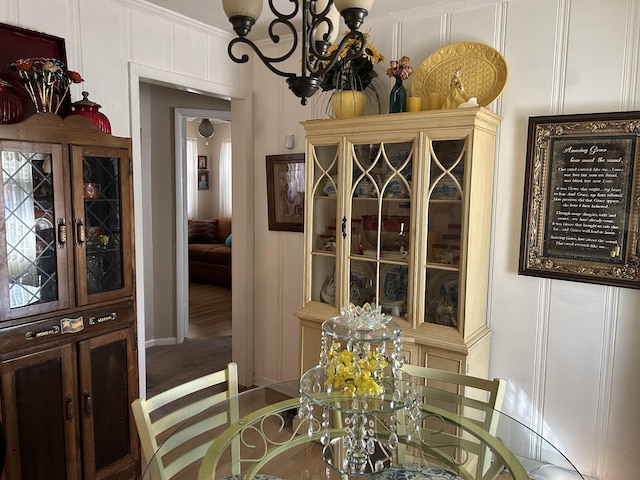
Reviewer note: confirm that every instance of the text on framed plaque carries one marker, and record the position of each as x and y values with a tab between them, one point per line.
581	206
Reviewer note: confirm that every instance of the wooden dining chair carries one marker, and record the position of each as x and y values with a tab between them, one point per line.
474	398
157	419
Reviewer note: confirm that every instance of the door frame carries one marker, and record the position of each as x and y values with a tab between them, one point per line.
180	116
242	267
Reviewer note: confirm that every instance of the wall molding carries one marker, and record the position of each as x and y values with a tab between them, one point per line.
560	56
631	63
541	355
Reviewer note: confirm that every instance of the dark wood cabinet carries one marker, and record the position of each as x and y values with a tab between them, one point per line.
68	360
39	392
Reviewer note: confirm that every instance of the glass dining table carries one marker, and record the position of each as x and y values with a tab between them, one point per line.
266	438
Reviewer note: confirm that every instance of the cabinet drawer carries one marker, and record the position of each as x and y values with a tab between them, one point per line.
76	326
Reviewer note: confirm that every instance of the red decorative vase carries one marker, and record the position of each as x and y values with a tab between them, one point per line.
89	109
11	110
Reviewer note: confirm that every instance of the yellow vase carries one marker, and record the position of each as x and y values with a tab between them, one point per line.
348	103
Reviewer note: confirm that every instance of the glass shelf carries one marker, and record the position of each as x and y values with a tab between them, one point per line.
312	386
337	329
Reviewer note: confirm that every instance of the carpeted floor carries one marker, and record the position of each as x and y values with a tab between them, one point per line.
171	365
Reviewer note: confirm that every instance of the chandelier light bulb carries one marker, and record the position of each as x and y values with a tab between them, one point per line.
205	129
317	21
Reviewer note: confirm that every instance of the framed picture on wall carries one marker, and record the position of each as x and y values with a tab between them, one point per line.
202	162
203	180
285	192
581	218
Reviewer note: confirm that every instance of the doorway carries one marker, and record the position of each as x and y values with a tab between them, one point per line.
209	306
181	118
147	279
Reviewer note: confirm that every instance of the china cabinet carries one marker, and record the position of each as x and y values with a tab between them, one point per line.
398	212
67	305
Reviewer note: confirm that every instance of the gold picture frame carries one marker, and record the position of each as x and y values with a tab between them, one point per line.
581	212
285	192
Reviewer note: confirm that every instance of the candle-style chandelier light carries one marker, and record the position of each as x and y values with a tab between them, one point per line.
319	30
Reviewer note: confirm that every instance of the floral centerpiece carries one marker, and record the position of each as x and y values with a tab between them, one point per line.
359	375
354	373
358	369
46	81
353	75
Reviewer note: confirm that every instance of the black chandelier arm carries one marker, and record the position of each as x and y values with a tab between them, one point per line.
322	63
319	18
285	16
285	20
268	61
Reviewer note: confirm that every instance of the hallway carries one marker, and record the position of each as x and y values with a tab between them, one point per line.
207	347
209	310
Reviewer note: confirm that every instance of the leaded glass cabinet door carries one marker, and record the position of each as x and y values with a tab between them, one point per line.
102	223
34	271
380	244
325	237
445	214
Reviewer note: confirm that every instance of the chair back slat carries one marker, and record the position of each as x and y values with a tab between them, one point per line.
157	419
477	400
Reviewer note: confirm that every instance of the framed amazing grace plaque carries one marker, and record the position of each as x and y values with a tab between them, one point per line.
581	211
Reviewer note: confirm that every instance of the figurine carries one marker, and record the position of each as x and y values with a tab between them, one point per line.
456	95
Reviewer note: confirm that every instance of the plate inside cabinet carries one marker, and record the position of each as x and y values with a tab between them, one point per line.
363	275
484	72
443	283
398	154
394	283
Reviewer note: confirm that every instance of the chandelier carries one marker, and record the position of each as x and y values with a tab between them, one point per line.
205	129
319	30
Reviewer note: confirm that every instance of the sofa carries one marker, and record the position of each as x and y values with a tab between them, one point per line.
210	250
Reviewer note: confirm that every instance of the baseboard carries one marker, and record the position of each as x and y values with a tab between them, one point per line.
160	342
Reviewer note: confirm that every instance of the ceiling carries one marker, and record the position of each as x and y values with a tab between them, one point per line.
211	13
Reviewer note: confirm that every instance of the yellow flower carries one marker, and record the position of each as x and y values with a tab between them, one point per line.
353	374
373	54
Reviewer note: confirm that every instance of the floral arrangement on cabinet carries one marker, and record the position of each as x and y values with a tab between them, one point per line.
46	80
352	74
400	68
351	79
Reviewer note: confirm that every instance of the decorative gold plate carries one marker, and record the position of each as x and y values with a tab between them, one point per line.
484	72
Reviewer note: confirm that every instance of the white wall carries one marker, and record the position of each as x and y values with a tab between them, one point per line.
568	349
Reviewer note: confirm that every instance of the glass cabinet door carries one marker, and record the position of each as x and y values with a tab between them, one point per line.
323	166
102	209
379	194
444	224
33	271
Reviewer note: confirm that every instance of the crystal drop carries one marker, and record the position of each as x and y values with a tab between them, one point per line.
379	465
371	447
325	439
